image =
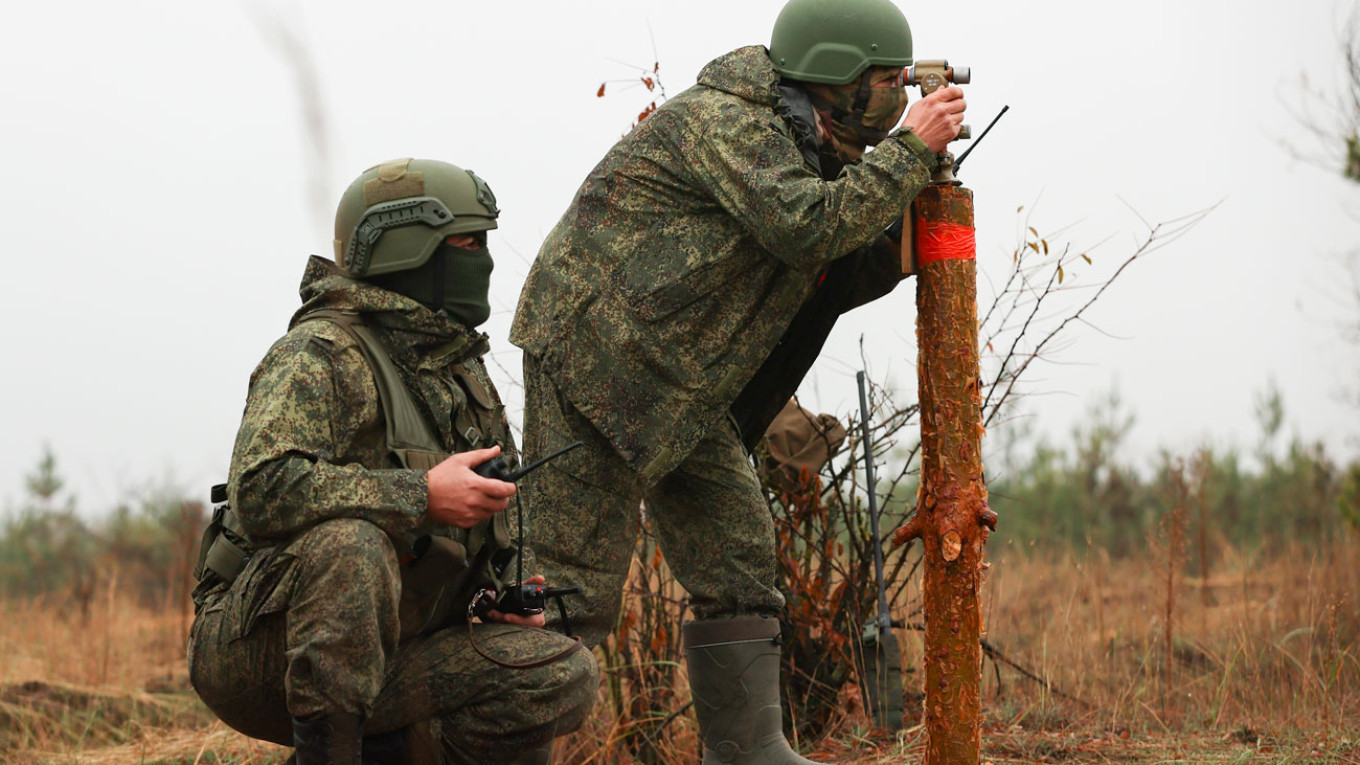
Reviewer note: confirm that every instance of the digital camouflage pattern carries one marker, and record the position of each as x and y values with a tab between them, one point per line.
256	668
690	257
312	434
851	133
708	513
296	635
686	254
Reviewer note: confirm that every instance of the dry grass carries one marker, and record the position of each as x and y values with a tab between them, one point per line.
117	646
106	686
1264	667
1269	644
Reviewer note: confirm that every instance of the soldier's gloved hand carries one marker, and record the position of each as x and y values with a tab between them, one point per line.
533	620
460	497
936	118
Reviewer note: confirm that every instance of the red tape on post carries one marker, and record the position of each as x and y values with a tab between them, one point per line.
937	240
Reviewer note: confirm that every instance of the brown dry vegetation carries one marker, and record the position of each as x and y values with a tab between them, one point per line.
1263	665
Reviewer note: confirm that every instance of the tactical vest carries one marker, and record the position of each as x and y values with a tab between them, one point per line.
442	567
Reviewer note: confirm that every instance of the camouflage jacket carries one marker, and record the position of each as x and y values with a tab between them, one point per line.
312	442
688	251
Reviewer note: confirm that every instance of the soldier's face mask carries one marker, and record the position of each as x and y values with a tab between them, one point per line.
467	279
861	115
454	279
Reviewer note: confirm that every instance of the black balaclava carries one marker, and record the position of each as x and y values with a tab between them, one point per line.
454	279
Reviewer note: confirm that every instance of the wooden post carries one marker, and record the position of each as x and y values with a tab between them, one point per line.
952	515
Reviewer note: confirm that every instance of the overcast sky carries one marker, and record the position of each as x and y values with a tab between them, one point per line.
156	207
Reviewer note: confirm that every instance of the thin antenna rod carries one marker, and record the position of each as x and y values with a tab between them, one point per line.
518	474
969	150
519	504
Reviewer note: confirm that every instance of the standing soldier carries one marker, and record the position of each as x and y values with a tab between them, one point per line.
679	302
333	612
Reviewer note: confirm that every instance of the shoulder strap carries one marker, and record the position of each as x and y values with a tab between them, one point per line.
409	436
412	442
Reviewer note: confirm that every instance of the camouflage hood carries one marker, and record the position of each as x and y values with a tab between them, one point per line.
411	327
745	73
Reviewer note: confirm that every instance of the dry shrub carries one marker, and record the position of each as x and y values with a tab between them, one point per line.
830	592
643	713
1268	640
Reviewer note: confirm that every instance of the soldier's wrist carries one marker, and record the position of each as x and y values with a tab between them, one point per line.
907	136
411	491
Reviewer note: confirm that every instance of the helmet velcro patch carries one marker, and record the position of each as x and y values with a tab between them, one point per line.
394	181
377	191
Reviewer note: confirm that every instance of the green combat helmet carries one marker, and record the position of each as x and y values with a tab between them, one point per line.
394	216
833	41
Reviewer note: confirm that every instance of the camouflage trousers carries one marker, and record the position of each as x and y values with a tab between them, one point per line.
312	629
709	516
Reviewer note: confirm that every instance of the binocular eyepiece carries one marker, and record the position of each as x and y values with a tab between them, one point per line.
935	74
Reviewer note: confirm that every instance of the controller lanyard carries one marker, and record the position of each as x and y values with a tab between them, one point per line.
491	594
575	646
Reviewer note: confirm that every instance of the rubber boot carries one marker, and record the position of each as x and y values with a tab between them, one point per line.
539	756
734	680
331	740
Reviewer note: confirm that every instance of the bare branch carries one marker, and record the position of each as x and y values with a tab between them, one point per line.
1160	235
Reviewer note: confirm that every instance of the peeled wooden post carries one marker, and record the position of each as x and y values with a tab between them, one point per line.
952	515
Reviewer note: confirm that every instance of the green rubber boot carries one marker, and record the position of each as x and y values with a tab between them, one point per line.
734	680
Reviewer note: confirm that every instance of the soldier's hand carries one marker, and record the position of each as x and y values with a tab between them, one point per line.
936	118
460	497
532	620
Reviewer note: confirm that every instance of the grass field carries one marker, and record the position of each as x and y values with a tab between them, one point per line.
1132	661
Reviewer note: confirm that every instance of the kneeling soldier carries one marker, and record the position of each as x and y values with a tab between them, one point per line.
335	609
